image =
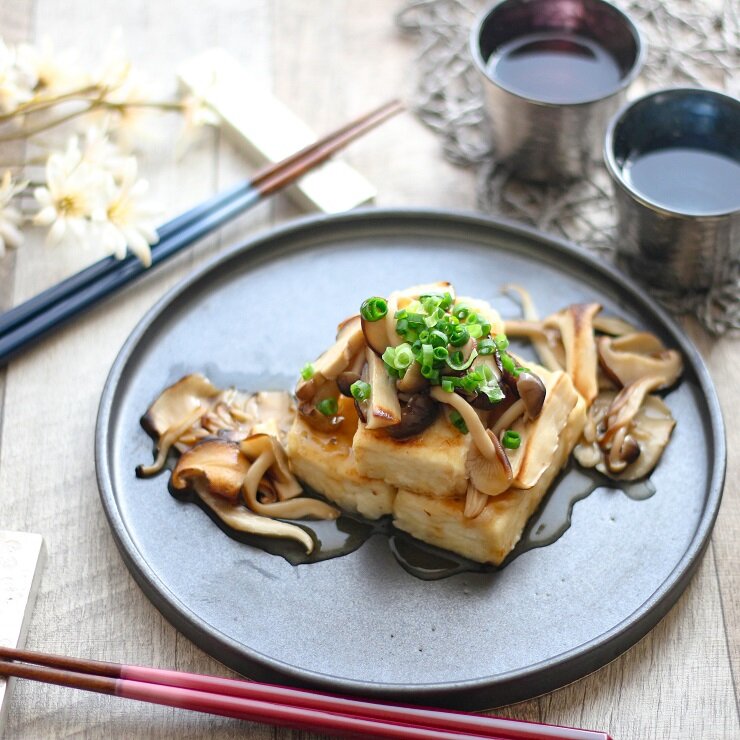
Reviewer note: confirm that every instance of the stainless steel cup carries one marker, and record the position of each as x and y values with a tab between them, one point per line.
543	141
681	251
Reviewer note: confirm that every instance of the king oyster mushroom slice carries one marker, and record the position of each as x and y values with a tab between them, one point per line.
613	325
176	409
540	437
336	359
633	356
383	408
577	333
376	334
243	520
218	466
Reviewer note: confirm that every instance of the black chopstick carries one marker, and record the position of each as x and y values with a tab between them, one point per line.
23	325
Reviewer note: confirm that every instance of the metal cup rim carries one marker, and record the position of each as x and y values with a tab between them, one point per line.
625	82
616	172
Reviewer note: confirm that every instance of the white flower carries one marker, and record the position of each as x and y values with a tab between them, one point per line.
123	221
15	86
101	153
73	190
115	65
53	71
10	216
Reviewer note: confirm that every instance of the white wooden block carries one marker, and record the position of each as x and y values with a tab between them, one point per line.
21	558
268	131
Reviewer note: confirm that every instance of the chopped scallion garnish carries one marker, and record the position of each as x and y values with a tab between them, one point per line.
307	372
486	346
501	342
374	309
458	422
457	362
360	390
440	353
459	336
511	439
328	407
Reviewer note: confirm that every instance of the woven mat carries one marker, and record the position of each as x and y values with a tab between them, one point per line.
694	42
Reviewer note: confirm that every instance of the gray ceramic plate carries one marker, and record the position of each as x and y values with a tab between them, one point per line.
360	623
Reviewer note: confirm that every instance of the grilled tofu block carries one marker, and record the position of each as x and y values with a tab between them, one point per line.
432	463
326	462
489	537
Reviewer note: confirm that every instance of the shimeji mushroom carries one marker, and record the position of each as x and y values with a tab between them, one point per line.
418	414
488	466
631	450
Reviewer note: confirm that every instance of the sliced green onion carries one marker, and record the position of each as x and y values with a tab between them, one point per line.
416	321
440	353
511	439
438	338
485	326
457	362
446	302
430	373
424	336
501	342
360	390
401	314
486	346
475	330
448	385
328	407
460	311
404	356
402	327
519	370
459	336
374	309
507	362
427	354
307	372
389	356
458	422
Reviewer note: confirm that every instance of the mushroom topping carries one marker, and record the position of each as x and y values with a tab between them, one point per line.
345	380
633	356
383	408
418	414
577	333
532	328
490	475
376	334
472	421
243	520
475	502
218	466
531	390
336	359
632	451
612	325
178	407
412	381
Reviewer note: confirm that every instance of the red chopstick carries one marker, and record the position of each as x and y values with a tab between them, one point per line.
276	705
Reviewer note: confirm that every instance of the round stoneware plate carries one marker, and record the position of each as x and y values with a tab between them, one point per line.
360	623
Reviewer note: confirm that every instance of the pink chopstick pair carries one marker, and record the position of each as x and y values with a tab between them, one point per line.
275	705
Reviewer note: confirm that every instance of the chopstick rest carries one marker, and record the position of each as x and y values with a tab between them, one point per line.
21	559
268	131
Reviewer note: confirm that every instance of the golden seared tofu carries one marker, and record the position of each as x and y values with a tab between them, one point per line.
432	463
325	462
492	535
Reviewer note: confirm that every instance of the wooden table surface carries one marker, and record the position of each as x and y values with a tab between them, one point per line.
329	60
